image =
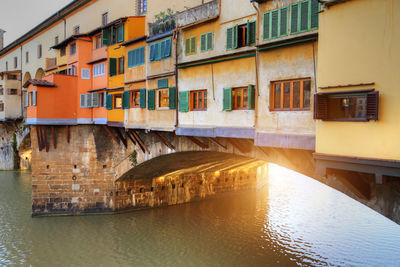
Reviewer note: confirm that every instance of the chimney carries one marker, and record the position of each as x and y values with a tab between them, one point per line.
1	38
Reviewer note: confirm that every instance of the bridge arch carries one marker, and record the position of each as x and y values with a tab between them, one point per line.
39	74
27	77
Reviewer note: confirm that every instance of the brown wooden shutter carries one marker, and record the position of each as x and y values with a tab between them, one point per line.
372	105
320	107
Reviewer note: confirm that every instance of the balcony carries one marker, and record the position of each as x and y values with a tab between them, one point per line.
198	13
51	63
163	26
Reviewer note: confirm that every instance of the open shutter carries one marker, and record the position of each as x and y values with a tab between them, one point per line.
162	44
183	101
143	98
83	101
109	102
235	37
227	101
34	96
283	24
203	42
251	99
251	33
210	41
294	18
193	45
274	23
172	98
314	14
112	67
372	105
320	107
304	12
152	52
266	25
157	51
120	33
105	37
125	99
229	38
95	100
104	99
26	99
88	100
151	101
167	51
187	46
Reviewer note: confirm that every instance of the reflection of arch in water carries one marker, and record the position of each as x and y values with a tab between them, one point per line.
27	77
39	74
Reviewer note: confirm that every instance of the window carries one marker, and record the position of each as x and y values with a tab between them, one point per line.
136	57
1	91
160	50
103	99
62	51
12	77
85	74
241	35
240	98
206	42
198	100
117	101
190	46
15	62
112	35
26	57
99	69
104	19
76	30
291	95
72	70
12	91
6	65
56	40
347	106
135	99
163	98
1	106
142	6
39	51
120	33
121	61
97	42
72	49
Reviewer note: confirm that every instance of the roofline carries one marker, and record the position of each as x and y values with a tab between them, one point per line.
50	21
135	40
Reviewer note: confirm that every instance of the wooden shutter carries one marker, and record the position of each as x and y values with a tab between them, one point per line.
314	14
104	99
210	41
109	102
283	24
162	44
187	46
193	45
88	100
251	97
251	33
83	101
162	83
304	14
112	66
373	105
126	99
266	25
172	98
143	98
203	42
227	99
142	57
294	18
229	38
320	107
157	51
274	23
183	101
235	37
95	100
151	101
105	37
120	33
167	52
130	58
152	52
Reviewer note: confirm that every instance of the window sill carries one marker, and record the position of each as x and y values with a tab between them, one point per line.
299	109
163	108
351	120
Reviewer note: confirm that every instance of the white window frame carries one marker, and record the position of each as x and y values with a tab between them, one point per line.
99	69
85	74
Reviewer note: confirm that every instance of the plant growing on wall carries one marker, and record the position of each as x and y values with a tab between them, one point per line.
164	14
164	22
133	158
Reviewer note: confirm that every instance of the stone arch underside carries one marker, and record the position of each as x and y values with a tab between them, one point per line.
39	74
27	77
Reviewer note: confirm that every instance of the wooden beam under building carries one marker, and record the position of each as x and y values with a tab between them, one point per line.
164	140
67	133
110	133
121	137
198	142
130	136
53	134
140	141
45	138
39	137
216	141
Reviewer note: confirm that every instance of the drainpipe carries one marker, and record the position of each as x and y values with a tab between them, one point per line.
257	62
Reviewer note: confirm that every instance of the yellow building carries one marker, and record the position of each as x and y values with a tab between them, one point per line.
11	107
357	105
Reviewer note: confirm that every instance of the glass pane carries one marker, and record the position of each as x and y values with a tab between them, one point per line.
306	94
200	100
277	95
194	100
245	97
296	94
118	101
205	100
239	98
286	95
347	107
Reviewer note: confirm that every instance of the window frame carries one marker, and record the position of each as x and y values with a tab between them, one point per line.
104	18
115	96
142	6
158	99
191	98
234	98
132	98
98	70
121	65
76	30
206	37
291	108
189	52
98	39
27	57
63	51
15	62
72	51
39	51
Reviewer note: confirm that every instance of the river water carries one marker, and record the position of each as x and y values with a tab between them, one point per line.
293	220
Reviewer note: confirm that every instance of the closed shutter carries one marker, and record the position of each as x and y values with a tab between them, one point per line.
109	102
235	37
26	99
193	45
105	37
152	52
304	12
162	44
143	98
266	25
183	101
125	99
142	57
120	33
157	51
88	100
314	14
83	101
95	100
162	83
172	98
112	67
151	101
251	99
251	32
210	41
320	107
229	38
167	52
203	42
227	99
274	23
283	24
294	18
104	99
187	46
373	105
130	58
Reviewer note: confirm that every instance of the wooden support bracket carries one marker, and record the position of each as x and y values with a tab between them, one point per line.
45	138
198	142
121	137
53	134
67	132
237	144
216	141
130	136
39	137
140	142
108	130
164	140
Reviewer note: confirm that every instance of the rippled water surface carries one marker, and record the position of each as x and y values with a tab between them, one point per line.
293	220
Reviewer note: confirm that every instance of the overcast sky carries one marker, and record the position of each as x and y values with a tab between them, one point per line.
19	16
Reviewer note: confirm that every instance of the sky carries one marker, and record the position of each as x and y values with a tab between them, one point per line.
19	16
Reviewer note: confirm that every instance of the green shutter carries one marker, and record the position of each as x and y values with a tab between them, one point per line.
112	67
152	52
112	38
193	45
304	14
162	83
187	46
203	42
130	58
120	33
168	43
210	41
314	14
251	33
143	98
109	101
126	99
229	38
183	101
162	50
294	18
172	98
157	51
251	99
283	21
142	55
227	99
105	36
151	101
274	23
266	25
235	36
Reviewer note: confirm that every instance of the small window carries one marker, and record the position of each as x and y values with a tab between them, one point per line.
76	30
198	100
63	51
12	77
39	51
56	40
1	106
206	42
142	5
72	49
85	74
27	57
1	91
104	19
190	46
98	42
121	61
99	69
117	101
240	98
135	99
241	35
12	91
291	95
15	62
163	98
6	65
